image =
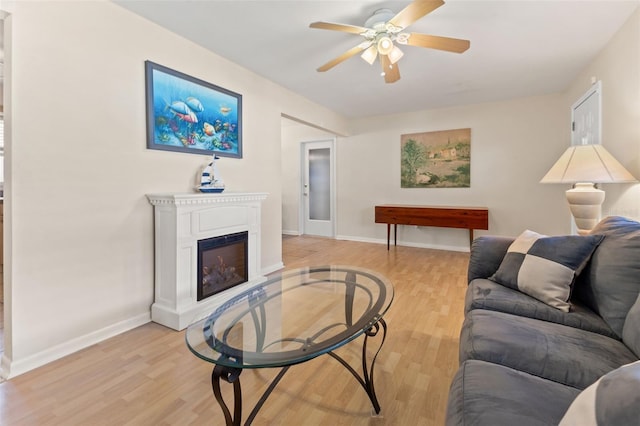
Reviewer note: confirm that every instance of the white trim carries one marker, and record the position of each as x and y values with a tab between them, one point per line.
404	243
12	368
197	198
595	89
272	268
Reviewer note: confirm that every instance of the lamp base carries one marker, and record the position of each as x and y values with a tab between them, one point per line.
585	203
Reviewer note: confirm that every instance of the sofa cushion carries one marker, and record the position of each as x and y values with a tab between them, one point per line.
556	352
613	400
610	283
545	267
631	329
486	294
487	252
490	394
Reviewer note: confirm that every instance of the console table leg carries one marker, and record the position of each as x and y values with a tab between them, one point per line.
395	234
229	375
388	234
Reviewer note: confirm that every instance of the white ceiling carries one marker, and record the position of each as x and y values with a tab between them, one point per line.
518	48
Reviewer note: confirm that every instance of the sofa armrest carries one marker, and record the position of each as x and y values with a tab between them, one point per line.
486	255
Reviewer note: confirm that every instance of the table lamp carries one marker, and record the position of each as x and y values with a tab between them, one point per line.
584	166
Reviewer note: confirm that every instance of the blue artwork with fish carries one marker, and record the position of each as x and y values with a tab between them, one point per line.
190	115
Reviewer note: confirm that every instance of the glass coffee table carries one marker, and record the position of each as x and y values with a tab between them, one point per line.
289	319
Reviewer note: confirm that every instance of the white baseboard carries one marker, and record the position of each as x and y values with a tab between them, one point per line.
290	232
404	243
272	268
360	239
12	368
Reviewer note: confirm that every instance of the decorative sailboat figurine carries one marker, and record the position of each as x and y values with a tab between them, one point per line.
210	180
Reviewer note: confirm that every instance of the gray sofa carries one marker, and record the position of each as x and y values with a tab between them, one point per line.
524	362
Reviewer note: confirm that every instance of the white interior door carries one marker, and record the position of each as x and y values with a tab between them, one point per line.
586	117
586	122
318	188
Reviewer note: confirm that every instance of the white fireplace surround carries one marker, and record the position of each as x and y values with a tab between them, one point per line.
181	220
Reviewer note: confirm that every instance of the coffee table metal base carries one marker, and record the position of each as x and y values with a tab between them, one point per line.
232	375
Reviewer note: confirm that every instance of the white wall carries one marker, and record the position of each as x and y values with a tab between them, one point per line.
79	261
510	144
618	67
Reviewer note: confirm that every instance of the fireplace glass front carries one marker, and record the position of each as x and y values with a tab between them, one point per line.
222	263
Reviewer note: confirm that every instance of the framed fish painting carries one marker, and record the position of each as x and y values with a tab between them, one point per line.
185	114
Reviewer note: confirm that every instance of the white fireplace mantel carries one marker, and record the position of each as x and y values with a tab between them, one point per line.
181	220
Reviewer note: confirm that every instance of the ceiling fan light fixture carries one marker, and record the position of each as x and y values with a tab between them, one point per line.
390	28
370	54
403	38
385	45
395	54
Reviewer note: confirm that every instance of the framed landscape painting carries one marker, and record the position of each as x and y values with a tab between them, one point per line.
439	159
185	114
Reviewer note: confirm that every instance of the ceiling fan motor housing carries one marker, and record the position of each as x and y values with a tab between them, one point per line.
379	18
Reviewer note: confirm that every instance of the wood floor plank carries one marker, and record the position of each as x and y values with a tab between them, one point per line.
147	376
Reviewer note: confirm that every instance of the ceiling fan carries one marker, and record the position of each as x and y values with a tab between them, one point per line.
384	28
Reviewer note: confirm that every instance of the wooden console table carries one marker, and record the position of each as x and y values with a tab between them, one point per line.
440	216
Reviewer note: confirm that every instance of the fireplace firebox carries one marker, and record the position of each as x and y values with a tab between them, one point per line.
222	263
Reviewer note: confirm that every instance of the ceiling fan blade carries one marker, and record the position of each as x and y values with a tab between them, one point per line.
436	42
346	55
338	27
414	11
391	71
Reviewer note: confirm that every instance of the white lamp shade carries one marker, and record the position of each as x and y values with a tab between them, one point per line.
385	45
370	54
583	166
587	163
395	54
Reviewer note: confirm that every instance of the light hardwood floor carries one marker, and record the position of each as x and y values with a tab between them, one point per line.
147	376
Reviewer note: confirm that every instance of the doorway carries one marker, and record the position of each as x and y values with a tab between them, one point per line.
586	123
2	104
317	201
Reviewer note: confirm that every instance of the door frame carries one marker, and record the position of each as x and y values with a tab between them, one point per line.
593	93
331	144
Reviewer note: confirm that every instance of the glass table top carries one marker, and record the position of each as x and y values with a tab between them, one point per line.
292	317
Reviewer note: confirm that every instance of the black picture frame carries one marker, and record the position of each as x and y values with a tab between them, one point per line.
186	114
